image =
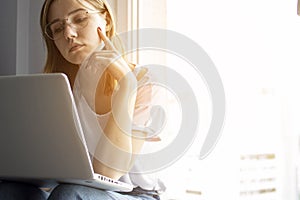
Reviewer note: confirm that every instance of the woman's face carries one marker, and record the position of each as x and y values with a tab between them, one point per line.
76	45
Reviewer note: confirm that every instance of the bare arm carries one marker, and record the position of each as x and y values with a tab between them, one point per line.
113	155
116	148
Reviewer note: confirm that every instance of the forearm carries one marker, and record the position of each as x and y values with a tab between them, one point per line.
113	154
114	151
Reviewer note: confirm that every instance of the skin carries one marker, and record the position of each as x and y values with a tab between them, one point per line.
75	46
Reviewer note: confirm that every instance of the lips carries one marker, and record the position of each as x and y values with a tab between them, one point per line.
75	47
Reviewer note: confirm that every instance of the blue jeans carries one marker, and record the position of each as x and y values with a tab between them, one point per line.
19	191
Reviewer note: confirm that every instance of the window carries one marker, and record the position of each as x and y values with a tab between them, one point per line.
255	47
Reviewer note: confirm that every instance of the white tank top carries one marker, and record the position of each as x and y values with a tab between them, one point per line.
147	96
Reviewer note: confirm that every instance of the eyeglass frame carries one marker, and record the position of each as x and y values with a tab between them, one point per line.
64	21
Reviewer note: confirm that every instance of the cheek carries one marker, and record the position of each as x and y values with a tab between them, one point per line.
91	39
61	47
91	35
100	22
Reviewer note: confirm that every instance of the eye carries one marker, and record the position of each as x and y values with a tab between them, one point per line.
79	19
57	28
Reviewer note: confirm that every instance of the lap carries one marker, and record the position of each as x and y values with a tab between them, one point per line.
68	191
22	191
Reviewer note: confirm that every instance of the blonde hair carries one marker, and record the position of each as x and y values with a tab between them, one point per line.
54	58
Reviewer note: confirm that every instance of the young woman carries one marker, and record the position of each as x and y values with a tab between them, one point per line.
73	30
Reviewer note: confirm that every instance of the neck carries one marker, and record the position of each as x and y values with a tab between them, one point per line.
71	71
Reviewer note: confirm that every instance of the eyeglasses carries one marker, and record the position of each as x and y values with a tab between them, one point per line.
77	19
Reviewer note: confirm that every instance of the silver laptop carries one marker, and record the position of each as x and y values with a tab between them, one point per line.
41	139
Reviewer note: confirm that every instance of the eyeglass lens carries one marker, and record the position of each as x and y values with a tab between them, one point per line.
76	20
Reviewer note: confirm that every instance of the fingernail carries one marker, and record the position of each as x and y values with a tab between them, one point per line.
99	29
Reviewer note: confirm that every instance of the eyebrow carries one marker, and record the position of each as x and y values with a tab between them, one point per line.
57	19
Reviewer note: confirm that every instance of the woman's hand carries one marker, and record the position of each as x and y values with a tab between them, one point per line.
89	79
111	59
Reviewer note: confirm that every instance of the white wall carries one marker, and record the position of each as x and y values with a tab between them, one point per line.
35	46
22	49
8	18
30	50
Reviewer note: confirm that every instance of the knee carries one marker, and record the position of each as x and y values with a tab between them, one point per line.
64	191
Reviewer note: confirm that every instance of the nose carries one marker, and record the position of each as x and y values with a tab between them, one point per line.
69	32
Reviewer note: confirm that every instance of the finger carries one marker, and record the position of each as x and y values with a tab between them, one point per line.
107	42
141	73
106	56
104	53
153	139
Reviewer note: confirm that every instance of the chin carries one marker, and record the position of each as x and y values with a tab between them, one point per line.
77	60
